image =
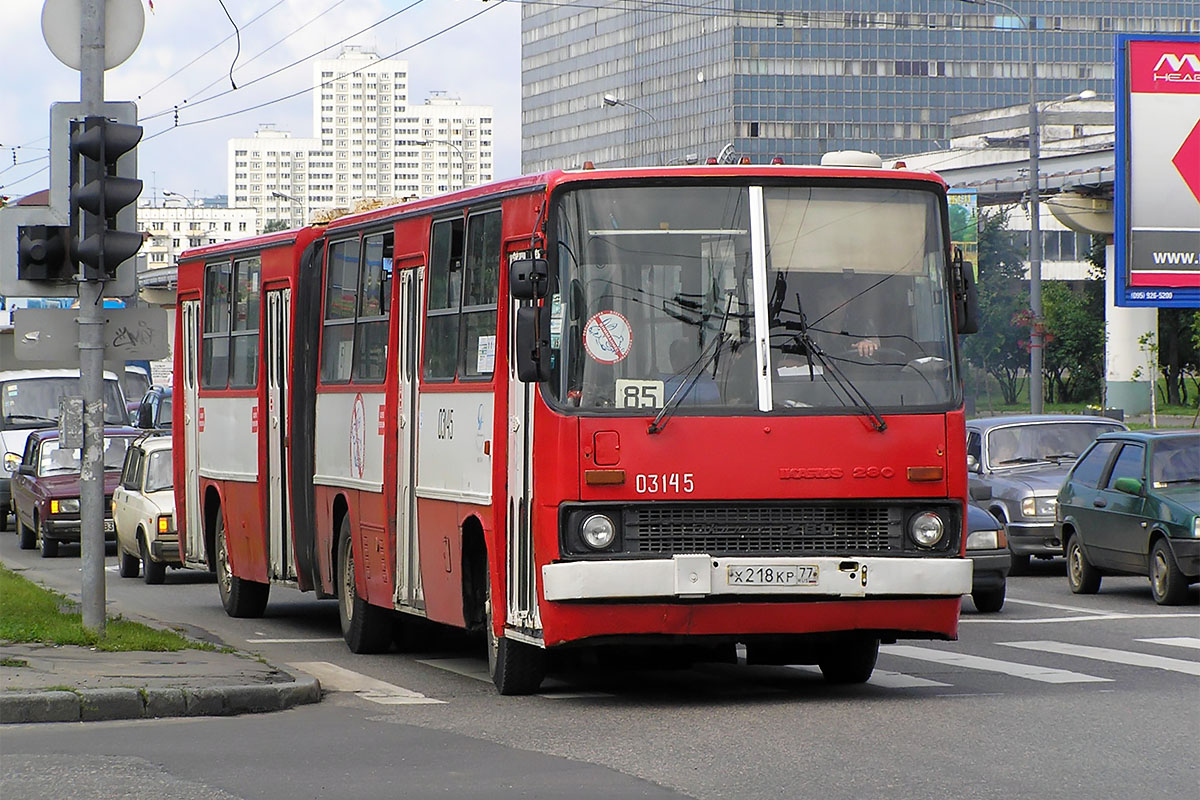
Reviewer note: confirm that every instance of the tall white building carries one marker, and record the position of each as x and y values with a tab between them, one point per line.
172	225
281	177
368	143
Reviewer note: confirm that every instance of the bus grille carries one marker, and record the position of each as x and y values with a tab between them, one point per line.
760	529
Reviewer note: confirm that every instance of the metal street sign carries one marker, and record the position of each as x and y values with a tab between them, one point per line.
51	334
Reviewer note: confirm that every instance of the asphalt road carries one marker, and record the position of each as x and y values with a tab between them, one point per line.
1058	695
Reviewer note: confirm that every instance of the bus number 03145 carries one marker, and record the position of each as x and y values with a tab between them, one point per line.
663	482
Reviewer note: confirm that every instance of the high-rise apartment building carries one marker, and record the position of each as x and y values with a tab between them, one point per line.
775	78
368	143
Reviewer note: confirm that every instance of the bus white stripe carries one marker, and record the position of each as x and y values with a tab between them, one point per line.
1029	671
1115	656
1190	642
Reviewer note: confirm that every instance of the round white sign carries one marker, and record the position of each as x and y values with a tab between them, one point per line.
124	21
607	337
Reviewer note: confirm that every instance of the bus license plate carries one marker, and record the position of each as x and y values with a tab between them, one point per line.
762	575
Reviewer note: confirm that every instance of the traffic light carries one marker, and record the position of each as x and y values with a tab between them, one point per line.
108	186
44	253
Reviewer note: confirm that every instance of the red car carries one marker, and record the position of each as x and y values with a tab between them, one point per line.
45	488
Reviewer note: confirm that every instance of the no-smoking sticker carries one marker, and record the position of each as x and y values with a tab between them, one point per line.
607	337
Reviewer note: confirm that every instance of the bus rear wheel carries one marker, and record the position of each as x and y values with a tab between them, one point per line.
515	667
366	628
850	661
240	597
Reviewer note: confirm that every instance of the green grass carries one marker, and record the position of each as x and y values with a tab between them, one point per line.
31	613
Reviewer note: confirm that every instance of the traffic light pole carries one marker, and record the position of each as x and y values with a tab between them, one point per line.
91	349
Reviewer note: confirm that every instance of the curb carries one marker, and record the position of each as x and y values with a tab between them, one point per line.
88	705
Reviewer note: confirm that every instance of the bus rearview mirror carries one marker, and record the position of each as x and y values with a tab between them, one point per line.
532	351
528	278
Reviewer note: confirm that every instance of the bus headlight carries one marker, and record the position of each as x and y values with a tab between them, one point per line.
598	531
926	529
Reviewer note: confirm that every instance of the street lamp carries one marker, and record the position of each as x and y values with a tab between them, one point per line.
182	197
283	196
191	214
1036	339
611	99
462	161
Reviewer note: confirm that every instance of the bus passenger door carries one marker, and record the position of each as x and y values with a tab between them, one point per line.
279	508
521	569
409	592
194	553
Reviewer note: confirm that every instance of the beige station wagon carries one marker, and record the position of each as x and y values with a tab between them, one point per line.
144	511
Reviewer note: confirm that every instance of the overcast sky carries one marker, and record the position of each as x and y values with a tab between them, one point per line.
185	55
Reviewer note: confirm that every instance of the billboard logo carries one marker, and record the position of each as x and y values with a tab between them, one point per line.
1173	68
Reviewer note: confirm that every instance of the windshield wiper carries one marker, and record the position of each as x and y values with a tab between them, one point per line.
1056	457
692	373
1021	460
812	349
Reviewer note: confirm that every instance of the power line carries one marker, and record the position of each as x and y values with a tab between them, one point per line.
302	60
447	29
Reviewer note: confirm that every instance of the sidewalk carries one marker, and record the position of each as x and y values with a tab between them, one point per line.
48	683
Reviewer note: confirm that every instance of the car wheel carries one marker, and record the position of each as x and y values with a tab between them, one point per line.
28	536
851	661
989	601
239	597
366	628
1081	575
155	571
3	519
1168	583
49	547
515	667
128	564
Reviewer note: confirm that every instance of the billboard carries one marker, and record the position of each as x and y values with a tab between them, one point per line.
1158	171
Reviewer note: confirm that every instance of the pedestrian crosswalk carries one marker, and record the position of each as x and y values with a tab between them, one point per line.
943	668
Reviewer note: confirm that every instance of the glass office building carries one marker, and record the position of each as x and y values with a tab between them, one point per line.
769	78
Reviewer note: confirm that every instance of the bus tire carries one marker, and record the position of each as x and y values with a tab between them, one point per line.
850	660
516	667
239	597
366	628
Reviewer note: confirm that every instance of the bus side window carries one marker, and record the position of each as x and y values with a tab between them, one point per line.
243	346
445	299
341	297
375	293
214	357
481	288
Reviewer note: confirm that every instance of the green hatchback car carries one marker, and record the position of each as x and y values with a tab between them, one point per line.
1131	506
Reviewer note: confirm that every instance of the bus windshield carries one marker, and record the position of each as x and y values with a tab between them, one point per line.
730	299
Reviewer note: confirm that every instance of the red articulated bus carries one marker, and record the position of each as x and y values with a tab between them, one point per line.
695	407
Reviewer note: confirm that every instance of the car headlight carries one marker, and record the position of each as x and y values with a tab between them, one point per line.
598	531
1196	527
1039	506
926	529
985	540
64	506
12	461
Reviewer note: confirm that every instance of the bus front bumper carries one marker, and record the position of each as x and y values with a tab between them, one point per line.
702	576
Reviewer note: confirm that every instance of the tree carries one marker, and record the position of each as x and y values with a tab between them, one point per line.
275	225
1074	355
1179	351
996	348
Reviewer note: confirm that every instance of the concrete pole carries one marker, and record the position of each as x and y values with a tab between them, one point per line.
1036	343
91	352
1123	355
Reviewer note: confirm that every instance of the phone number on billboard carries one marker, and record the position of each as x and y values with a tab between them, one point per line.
1145	295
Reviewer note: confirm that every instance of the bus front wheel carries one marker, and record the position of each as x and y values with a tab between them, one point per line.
515	667
850	661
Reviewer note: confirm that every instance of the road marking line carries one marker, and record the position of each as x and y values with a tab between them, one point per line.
1030	671
1115	656
883	678
1097	618
338	679
1052	605
1190	642
295	641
